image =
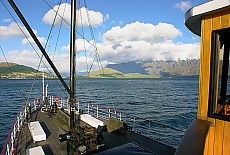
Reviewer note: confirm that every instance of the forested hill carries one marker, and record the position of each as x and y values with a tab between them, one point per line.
189	67
13	70
13	67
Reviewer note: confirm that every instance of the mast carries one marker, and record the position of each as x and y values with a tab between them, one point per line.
72	64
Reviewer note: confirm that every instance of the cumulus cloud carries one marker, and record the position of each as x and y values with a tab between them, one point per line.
24	57
141	31
140	41
135	41
30	58
30	39
11	30
142	50
184	5
96	18
82	45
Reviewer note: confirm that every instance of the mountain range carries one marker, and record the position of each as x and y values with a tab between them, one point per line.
189	67
133	69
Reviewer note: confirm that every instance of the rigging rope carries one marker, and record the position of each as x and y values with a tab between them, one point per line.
49	35
97	56
40	57
67	22
59	31
83	37
94	42
83	34
28	42
23	32
9	67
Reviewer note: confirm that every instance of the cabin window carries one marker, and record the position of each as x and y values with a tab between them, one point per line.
219	90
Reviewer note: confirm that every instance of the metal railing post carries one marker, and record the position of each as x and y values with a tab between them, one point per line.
12	141
25	112
134	124
97	111
109	113
78	108
34	104
115	112
8	149
18	121
88	108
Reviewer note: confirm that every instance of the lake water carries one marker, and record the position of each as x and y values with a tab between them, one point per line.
171	101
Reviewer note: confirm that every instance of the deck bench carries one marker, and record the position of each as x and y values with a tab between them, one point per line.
35	151
92	121
36	131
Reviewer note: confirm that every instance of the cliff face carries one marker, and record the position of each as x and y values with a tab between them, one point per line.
187	67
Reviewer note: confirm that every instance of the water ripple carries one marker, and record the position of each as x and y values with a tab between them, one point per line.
169	101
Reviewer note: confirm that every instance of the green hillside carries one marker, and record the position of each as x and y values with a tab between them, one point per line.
111	73
13	70
107	72
4	69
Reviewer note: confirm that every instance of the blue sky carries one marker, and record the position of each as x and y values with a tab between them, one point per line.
124	30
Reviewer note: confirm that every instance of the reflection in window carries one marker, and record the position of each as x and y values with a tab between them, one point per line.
219	99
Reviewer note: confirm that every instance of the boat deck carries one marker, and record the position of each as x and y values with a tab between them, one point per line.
53	146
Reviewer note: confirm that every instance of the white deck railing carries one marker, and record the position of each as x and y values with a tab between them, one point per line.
166	134
11	142
160	132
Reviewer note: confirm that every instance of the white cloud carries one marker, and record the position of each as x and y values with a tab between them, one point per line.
135	41
81	46
11	31
184	5
25	57
106	17
30	58
141	31
96	18
143	50
6	20
30	39
140	41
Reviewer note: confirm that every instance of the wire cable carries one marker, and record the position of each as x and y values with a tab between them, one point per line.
9	67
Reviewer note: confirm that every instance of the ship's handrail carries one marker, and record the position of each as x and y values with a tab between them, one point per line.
149	128
11	142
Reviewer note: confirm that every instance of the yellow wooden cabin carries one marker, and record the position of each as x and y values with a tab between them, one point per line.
209	134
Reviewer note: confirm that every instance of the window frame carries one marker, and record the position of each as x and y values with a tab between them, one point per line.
215	74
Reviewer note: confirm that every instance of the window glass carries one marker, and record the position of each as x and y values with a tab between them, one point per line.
219	99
